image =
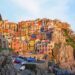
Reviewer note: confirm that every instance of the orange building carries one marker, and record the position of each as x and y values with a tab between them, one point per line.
16	45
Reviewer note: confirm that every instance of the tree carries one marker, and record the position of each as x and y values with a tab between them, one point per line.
0	17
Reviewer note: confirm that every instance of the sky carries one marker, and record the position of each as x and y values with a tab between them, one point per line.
18	10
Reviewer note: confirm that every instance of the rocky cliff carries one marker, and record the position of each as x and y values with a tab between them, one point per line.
64	44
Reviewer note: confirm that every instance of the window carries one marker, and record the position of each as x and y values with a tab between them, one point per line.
3	36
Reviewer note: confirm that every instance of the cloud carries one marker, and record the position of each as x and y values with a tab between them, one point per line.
56	9
28	5
44	8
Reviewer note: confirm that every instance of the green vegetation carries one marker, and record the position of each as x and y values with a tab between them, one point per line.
1	49
65	32
71	42
0	17
69	39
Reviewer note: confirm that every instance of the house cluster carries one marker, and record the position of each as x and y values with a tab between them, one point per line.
29	36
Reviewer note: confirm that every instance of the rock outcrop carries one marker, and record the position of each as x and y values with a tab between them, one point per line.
61	50
6	65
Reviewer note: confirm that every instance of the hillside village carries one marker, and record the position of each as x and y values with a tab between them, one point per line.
40	37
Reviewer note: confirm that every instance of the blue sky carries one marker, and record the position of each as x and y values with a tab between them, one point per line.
17	10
